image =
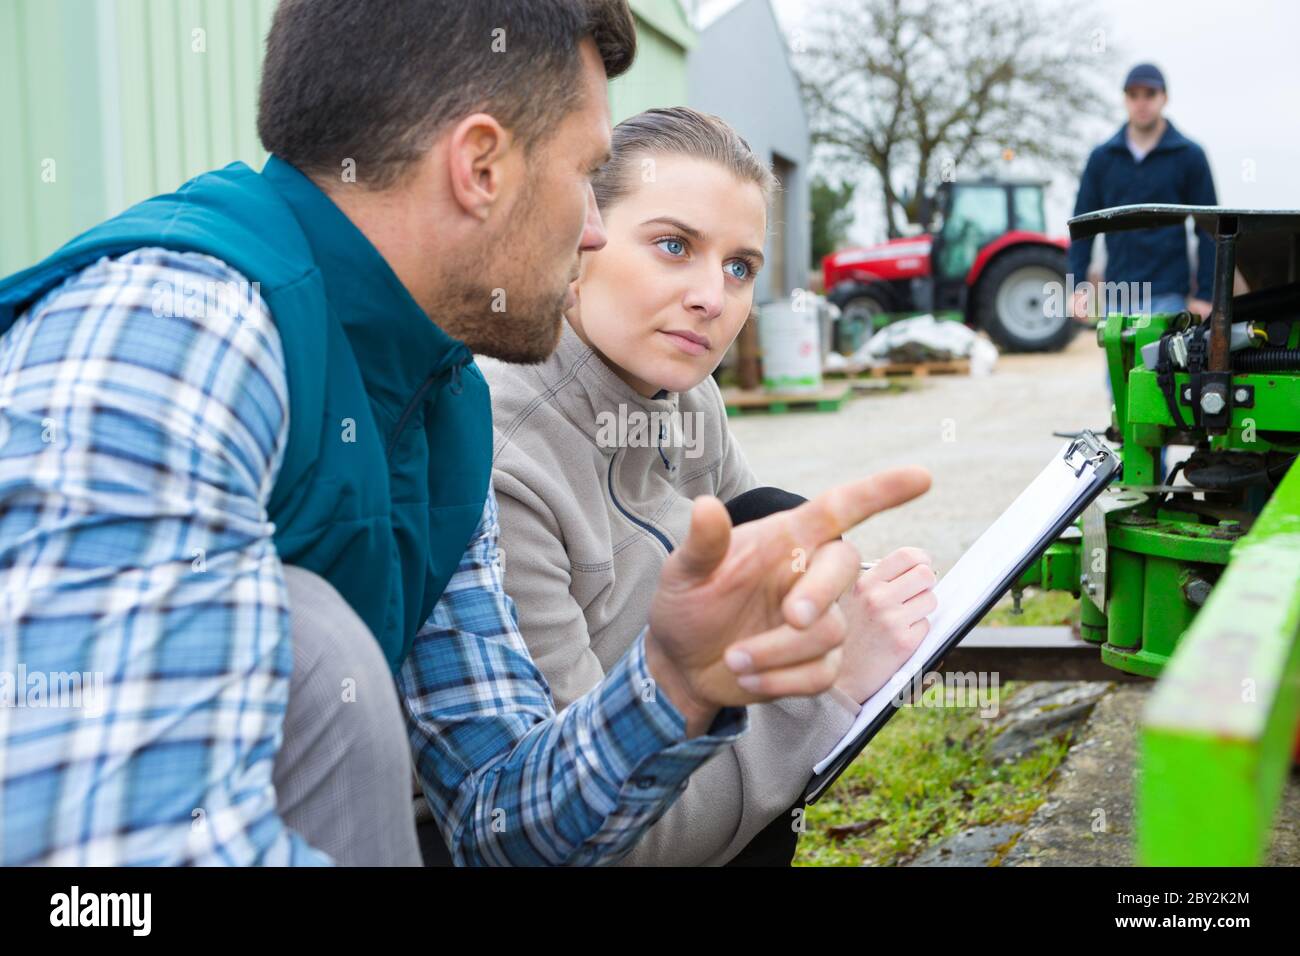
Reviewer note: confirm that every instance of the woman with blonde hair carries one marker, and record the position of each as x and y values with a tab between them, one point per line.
600	450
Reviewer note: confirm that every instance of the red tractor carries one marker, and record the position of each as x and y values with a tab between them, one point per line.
988	258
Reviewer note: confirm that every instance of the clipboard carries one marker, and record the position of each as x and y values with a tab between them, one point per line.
1083	454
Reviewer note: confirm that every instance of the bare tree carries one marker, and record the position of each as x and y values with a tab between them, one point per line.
919	89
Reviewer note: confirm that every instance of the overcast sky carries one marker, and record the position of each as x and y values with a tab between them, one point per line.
1233	70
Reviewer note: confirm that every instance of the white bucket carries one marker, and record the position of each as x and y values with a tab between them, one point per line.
790	340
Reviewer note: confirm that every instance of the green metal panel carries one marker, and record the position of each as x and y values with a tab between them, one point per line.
1218	732
1274	408
1168	536
187	74
1127	588
667	17
658	77
1166	614
16	182
1092	622
112	101
1056	570
49	172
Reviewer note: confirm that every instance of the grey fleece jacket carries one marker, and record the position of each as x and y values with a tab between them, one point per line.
590	508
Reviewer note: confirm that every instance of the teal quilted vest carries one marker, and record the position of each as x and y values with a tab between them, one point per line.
390	428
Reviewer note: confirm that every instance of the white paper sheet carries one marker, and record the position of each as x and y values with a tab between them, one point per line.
979	572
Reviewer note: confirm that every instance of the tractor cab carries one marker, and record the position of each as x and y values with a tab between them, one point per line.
967	217
984	258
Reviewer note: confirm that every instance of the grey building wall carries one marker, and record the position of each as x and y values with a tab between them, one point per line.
740	70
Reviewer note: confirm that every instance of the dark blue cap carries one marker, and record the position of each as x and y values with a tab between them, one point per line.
1145	74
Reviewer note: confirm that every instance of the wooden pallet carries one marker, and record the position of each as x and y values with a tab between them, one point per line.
827	399
914	369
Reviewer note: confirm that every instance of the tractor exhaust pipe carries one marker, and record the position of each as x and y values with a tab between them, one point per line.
1225	269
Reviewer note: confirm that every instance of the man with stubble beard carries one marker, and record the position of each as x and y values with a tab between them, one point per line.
251	512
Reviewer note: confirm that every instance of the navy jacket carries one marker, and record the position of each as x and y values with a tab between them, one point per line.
1175	171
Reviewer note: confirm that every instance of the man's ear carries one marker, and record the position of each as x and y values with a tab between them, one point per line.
477	151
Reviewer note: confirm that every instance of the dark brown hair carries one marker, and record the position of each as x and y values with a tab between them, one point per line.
376	81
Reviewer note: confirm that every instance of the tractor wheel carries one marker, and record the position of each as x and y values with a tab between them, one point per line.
1009	303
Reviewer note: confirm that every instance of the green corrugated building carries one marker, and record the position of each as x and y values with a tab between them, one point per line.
658	78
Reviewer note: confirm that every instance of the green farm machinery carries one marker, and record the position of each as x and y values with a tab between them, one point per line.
1194	578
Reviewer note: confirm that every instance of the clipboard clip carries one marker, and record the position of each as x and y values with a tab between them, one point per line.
1094	451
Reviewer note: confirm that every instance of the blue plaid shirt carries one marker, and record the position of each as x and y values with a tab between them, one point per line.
145	649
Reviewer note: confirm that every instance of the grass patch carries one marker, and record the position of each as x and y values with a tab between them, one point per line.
926	775
1039	609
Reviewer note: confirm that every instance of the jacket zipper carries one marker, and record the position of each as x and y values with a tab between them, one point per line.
459	360
643	525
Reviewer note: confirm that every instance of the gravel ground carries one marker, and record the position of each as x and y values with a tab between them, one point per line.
983	440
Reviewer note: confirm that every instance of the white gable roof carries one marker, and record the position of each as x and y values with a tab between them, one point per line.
702	13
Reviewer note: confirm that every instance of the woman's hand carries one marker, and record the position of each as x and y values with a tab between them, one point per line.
886	612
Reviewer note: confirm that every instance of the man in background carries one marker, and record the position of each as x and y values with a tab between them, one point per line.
1147	161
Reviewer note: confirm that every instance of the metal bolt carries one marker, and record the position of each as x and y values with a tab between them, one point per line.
1187	394
1196	591
1241	396
1212	403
